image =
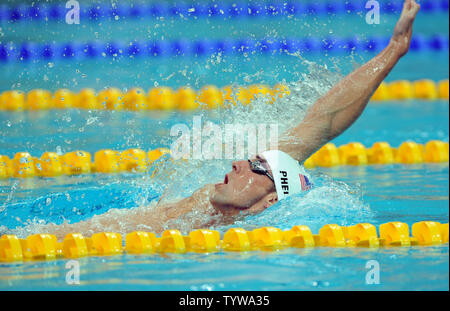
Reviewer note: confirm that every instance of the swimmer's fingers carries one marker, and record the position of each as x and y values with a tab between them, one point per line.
403	28
410	9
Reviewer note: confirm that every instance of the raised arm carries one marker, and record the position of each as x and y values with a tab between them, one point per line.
333	113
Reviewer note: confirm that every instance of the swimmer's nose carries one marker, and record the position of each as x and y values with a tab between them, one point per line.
236	167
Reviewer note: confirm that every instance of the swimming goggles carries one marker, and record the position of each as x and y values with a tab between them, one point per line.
257	167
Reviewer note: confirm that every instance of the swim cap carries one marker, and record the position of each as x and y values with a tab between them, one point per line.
288	174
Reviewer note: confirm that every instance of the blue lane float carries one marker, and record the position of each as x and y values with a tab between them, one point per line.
73	50
200	9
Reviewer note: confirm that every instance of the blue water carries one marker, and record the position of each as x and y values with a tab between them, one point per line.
292	269
342	195
219	70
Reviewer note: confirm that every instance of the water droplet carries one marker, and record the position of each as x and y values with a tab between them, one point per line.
91	120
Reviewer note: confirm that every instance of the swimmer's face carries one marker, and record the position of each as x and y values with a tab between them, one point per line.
242	188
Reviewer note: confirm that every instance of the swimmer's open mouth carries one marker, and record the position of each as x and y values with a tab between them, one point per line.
225	181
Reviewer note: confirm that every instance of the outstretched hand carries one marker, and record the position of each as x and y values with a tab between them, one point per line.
403	29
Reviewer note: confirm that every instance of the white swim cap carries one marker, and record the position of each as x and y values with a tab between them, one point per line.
288	174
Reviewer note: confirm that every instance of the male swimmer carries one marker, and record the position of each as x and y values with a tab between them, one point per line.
258	183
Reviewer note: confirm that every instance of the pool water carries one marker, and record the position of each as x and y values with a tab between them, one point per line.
217	69
423	268
344	195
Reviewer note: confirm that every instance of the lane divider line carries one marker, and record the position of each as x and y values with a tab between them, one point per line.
188	99
135	160
393	234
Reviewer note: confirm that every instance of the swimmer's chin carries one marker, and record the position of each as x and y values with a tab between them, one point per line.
219	186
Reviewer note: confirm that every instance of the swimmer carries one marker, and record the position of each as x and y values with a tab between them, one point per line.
256	184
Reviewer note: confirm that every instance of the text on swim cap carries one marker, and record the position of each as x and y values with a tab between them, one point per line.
284	182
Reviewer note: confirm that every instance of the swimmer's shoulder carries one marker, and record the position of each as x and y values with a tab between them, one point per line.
200	199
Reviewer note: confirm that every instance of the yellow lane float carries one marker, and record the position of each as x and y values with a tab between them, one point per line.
137	160
393	234
186	98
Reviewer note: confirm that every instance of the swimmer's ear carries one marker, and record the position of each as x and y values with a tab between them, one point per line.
270	199
267	201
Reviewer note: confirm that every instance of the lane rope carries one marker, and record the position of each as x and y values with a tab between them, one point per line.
51	164
31	51
188	99
199	10
393	234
